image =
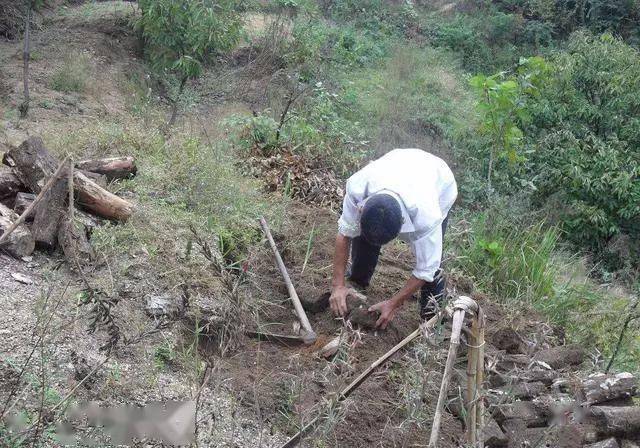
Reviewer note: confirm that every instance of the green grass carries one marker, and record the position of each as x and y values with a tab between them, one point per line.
523	265
73	74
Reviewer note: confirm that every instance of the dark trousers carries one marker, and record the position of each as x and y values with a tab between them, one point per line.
364	259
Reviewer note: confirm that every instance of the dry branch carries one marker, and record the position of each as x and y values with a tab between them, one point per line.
458	319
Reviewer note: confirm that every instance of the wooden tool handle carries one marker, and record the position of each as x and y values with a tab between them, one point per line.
310	335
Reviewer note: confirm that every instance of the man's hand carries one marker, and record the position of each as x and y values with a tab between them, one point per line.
338	300
387	310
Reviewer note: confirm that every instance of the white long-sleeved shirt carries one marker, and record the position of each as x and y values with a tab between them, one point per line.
424	186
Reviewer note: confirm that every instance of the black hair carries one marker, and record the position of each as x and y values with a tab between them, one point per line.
381	219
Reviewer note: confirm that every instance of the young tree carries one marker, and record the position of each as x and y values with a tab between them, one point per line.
179	36
502	103
29	7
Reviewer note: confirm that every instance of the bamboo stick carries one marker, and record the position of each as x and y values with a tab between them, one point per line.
472	391
35	202
310	335
293	441
480	378
456	328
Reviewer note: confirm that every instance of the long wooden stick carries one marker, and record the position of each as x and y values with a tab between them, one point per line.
310	336
480	379
293	441
35	202
456	328
471	397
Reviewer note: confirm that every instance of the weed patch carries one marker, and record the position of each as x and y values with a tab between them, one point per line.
73	74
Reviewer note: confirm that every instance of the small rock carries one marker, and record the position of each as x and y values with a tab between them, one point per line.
563	356
363	318
609	443
161	305
27	258
21	278
508	340
493	435
32	265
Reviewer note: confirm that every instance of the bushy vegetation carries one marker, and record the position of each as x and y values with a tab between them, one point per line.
524	265
73	74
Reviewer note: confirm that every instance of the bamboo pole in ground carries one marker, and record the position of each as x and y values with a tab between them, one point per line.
480	378
472	385
293	441
456	328
309	335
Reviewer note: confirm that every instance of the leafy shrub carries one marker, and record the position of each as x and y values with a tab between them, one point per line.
597	181
72	75
502	101
585	130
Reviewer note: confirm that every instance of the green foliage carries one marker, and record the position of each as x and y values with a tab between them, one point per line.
513	263
73	74
502	105
585	129
180	35
521	264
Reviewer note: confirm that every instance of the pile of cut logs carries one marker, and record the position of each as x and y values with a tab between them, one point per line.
46	203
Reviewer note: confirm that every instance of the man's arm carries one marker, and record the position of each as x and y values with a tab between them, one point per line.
428	253
388	308
339	291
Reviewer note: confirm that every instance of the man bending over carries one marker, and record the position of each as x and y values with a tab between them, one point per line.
407	193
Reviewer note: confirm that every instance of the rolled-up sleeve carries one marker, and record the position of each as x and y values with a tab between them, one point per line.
428	252
349	222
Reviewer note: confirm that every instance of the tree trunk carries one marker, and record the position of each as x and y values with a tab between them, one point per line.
22	202
26	55
174	106
112	167
599	388
10	185
31	163
74	243
49	214
99	179
617	421
20	243
99	201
